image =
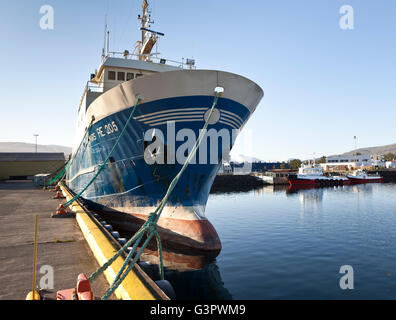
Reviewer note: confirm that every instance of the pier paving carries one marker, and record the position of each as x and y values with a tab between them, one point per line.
61	244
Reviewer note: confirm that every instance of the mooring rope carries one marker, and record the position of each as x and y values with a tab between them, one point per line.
150	226
68	203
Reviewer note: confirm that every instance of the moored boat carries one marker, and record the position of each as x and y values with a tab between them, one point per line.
311	175
361	176
171	104
275	176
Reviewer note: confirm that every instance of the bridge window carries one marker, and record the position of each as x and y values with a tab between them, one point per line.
111	75
138	75
130	76
121	76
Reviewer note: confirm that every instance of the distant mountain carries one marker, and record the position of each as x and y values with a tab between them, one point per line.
390	148
240	158
31	147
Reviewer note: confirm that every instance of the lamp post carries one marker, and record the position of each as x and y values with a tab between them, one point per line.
36	135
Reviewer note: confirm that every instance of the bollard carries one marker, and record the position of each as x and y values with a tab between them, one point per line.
82	291
59	195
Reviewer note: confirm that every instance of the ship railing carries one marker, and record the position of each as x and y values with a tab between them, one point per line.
95	86
92	87
83	96
152	57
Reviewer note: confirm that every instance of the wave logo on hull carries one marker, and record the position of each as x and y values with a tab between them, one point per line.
191	115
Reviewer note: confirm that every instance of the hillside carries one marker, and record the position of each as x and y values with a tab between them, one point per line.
390	148
240	158
30	147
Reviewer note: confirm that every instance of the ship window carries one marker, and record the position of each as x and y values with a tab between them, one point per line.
121	76
130	76
138	75
111	75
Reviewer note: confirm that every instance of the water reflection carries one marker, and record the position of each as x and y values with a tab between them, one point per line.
365	189
298	239
310	199
178	261
193	276
271	189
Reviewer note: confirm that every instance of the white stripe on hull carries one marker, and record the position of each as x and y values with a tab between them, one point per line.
159	113
191	113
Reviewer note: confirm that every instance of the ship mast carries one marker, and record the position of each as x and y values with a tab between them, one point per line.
145	20
149	37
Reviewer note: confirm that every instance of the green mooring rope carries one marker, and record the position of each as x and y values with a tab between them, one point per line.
150	226
68	203
58	176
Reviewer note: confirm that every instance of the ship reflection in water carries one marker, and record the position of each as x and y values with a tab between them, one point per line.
311	198
314	196
193	276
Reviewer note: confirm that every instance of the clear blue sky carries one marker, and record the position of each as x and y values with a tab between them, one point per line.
323	85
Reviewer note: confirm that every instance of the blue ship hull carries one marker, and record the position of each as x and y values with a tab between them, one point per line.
128	189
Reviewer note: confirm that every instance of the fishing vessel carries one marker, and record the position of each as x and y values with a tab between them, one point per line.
361	176
311	175
276	176
167	97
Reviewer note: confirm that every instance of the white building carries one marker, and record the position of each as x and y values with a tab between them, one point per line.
354	161
379	163
391	164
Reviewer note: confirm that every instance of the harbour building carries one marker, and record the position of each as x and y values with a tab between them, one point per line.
20	166
347	162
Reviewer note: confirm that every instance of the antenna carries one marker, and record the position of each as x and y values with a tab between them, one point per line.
105	38
108	42
149	37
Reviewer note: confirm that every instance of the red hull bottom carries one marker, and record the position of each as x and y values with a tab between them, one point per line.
199	235
302	182
317	183
360	181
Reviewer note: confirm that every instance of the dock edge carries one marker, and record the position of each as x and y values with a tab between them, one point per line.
132	288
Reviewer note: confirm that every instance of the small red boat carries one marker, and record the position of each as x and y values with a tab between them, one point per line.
311	175
361	176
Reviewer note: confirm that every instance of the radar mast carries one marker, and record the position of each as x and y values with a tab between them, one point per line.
149	37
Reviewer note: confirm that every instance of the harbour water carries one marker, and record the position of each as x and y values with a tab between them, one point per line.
279	244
